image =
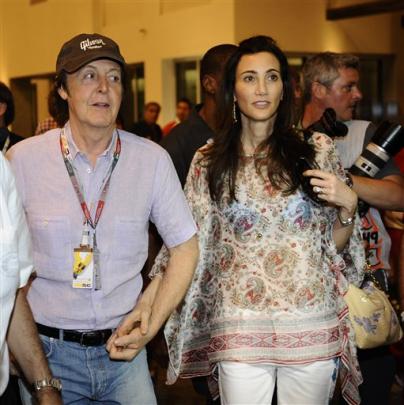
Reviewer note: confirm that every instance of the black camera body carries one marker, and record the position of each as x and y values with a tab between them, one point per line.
328	124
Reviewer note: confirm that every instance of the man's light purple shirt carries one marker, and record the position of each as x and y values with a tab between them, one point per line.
144	186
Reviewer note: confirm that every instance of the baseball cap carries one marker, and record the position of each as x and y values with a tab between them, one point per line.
85	48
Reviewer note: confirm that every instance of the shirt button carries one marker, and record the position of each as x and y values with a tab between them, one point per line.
89	170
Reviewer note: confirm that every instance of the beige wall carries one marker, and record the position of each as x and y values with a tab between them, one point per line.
149	31
300	25
158	31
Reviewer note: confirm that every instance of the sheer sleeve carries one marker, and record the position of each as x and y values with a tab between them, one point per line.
197	194
351	261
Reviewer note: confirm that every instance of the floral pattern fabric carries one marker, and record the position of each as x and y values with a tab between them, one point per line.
264	289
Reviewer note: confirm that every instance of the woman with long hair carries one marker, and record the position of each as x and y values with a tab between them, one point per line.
263	307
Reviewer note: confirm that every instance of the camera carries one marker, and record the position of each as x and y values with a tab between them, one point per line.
386	142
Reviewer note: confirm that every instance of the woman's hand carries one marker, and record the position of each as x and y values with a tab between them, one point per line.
331	189
132	334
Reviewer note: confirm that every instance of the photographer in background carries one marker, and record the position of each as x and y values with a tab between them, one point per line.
331	80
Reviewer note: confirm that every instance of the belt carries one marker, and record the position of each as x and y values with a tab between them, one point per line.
88	338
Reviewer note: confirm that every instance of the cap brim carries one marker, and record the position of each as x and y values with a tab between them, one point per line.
76	64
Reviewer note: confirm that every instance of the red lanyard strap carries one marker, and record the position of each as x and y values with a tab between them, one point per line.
64	147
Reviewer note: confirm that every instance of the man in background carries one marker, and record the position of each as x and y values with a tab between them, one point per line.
187	137
331	80
183	109
148	127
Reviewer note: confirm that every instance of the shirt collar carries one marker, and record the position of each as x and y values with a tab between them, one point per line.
74	150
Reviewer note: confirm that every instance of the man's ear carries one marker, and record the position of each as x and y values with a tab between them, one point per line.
318	90
62	93
209	83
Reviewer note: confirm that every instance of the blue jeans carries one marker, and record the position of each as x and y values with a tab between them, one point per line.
90	377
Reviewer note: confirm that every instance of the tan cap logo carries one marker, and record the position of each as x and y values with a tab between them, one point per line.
93	44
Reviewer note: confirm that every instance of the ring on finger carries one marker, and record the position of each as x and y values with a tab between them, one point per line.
318	189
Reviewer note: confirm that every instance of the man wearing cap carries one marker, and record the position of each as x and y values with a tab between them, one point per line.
89	191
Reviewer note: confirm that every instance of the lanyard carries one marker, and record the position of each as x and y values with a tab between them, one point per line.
64	147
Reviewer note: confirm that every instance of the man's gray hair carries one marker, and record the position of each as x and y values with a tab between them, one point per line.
323	68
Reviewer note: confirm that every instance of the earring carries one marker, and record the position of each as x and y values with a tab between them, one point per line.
234	113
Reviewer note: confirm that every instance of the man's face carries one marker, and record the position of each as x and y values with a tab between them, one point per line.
183	111
151	114
94	94
344	94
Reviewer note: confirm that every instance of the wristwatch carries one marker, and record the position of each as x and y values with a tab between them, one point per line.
345	222
54	383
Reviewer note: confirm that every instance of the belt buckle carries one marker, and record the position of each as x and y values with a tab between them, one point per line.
95	338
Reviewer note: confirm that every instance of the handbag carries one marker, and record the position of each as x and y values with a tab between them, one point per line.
372	316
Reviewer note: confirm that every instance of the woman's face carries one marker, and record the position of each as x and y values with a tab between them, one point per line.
258	86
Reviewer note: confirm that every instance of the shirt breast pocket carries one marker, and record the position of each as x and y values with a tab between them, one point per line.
52	246
130	240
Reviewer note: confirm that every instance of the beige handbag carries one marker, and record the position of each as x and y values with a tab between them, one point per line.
373	318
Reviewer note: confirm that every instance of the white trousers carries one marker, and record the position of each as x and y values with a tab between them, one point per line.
247	384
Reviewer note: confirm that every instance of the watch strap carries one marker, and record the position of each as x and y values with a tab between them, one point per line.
348	179
345	222
54	383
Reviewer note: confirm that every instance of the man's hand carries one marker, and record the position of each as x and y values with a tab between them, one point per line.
132	334
127	347
143	323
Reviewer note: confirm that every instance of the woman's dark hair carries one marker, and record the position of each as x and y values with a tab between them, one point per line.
6	97
284	146
59	109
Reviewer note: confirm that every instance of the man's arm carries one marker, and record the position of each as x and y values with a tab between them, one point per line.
23	342
128	340
386	193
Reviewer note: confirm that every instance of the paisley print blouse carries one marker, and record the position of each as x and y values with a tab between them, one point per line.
265	286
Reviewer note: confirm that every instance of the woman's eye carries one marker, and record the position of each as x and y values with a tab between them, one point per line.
248	78
273	77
